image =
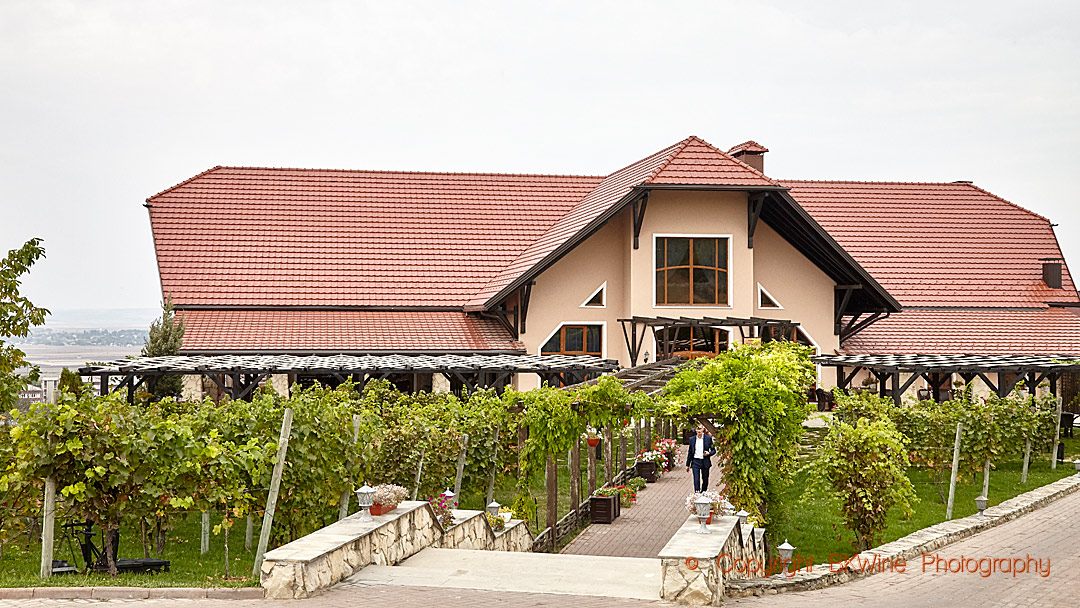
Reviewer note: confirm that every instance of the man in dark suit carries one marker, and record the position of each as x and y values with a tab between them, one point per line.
698	458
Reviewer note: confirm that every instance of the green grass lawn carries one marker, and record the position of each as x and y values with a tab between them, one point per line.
19	566
814	526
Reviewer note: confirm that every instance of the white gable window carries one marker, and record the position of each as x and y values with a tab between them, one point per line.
597	299
765	299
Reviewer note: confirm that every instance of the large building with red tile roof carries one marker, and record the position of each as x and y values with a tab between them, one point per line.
690	246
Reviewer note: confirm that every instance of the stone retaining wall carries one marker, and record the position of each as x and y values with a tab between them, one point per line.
695	567
911	546
317	561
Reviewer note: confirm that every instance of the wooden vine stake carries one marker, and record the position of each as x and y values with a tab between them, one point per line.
48	527
343	508
591	451
575	475
204	536
490	496
275	487
249	531
460	469
552	497
955	466
419	470
609	469
1027	459
1057	436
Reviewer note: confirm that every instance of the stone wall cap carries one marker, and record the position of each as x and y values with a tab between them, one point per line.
338	534
686	542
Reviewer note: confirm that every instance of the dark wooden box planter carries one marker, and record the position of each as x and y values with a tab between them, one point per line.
603	509
646	470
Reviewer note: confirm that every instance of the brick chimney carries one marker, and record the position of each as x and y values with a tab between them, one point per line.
751	153
1051	268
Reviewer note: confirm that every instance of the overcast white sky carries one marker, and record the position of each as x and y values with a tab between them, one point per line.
103	104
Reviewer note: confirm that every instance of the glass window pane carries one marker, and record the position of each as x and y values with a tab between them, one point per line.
678	286
660	287
722	253
552	345
704	286
722	288
705	252
592	339
660	252
678	252
575	338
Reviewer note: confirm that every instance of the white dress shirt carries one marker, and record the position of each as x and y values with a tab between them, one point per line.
699	447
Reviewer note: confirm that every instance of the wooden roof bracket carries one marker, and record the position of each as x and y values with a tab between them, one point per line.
842	297
854	326
639	214
754	204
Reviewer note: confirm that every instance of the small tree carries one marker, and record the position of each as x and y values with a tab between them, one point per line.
17	317
165	338
70	382
863	465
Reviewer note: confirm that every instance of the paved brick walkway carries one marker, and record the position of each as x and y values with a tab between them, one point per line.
1050	534
644	529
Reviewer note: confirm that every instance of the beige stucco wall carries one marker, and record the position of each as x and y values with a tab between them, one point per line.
693	213
608	256
803	289
562	289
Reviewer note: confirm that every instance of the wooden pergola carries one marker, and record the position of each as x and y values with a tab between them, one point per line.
704	334
239	375
890	370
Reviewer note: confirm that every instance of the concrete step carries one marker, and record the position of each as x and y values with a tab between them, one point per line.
624	577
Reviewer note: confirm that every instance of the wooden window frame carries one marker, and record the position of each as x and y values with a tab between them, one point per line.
560	333
656	267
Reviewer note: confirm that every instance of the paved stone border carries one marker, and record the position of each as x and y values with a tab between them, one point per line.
911	546
131	593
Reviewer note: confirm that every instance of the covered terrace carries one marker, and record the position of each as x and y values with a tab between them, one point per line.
896	373
238	375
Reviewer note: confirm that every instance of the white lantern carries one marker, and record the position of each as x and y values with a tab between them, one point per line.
493	508
365	496
786	551
450	498
1076	463
742	515
980	504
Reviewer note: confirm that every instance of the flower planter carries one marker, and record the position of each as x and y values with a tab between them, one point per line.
647	471
603	509
593	441
377	509
670	462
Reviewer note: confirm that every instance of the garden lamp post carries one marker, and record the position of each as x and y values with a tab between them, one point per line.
786	551
450	497
980	504
365	496
742	515
702	506
493	509
1076	463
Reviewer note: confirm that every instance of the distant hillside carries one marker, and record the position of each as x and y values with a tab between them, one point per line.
45	336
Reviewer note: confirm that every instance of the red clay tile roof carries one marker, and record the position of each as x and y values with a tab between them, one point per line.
341	331
691	161
748	146
1049	331
247	236
939	244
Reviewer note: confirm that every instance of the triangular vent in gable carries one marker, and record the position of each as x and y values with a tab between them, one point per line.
765	299
598	298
